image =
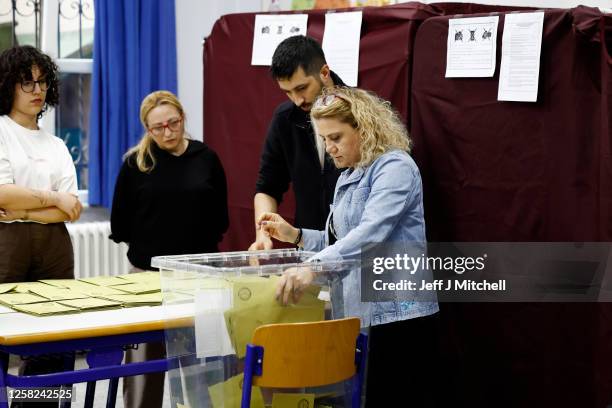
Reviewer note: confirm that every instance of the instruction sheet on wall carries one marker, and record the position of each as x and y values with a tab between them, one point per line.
471	47
520	64
341	44
271	30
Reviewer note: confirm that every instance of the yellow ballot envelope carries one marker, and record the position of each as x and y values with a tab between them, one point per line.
228	394
254	305
281	400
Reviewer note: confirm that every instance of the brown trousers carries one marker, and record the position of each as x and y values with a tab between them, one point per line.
29	252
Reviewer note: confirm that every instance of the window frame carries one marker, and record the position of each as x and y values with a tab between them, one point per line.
49	33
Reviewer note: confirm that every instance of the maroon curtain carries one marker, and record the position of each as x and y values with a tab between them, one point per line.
239	98
518	171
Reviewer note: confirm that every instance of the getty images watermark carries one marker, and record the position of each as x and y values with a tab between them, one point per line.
487	272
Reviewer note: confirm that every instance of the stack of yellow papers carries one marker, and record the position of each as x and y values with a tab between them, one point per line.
44	309
12	299
91	303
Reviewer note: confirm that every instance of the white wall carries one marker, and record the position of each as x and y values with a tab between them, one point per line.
195	18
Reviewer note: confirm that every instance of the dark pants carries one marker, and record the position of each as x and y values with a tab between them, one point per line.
144	391
29	252
403	362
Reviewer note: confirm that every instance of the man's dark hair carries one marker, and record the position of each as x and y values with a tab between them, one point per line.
294	52
16	66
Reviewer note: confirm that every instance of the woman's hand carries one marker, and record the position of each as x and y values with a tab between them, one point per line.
274	226
292	284
12	215
68	204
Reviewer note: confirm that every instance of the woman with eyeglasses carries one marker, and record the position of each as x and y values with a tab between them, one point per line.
378	200
38	184
170	198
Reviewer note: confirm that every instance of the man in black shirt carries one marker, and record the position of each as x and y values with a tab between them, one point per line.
292	152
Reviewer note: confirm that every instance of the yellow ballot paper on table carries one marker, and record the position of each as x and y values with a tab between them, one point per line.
20	298
139	287
55	293
282	400
228	394
26	287
146	276
43	309
136	300
96	291
7	287
89	303
105	280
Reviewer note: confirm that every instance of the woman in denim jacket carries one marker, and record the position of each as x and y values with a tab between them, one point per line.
378	199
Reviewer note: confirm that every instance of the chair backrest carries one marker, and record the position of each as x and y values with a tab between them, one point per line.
307	354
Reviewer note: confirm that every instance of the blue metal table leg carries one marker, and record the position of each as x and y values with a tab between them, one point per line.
68	366
4	360
90	394
113	384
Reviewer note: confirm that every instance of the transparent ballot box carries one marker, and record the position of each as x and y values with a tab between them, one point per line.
232	295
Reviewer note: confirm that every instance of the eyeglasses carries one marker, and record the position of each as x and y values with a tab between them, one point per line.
173	124
28	86
328	99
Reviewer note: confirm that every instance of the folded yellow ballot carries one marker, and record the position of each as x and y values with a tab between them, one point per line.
26	287
89	303
7	287
43	309
282	400
95	291
146	276
105	280
20	298
228	394
136	300
139	287
55	293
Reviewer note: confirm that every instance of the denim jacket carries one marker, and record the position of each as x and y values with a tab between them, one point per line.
380	203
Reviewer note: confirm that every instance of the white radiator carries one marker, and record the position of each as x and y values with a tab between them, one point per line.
94	253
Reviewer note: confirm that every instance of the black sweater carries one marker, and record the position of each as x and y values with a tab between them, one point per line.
180	207
290	156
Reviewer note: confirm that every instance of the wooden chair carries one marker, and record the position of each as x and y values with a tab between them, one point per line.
296	355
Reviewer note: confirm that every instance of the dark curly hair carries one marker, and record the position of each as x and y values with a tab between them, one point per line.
16	66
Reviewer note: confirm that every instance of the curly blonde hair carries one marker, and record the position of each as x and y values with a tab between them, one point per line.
145	160
379	125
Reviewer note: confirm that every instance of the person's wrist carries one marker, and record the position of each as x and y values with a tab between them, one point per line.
297	237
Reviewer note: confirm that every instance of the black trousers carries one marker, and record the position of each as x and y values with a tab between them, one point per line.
403	361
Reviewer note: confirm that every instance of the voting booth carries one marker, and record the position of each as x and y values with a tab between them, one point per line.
233	294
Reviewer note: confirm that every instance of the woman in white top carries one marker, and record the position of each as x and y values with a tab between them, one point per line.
38	187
